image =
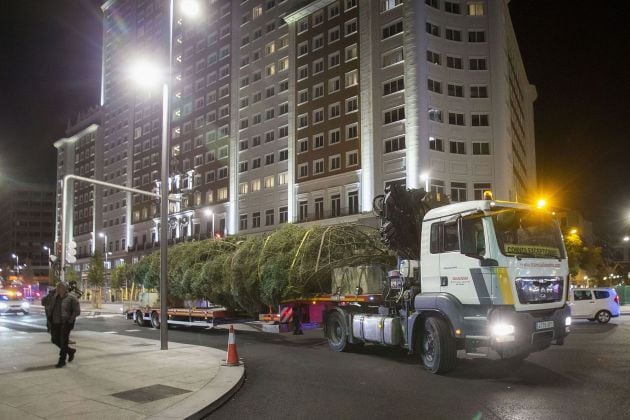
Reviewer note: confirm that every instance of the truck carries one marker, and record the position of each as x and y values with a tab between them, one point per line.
480	278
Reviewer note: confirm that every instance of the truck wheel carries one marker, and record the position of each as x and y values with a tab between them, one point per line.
337	332
139	319
438	346
603	317
155	320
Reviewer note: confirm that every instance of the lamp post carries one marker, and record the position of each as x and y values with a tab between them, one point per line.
209	213
17	261
145	75
105	249
47	248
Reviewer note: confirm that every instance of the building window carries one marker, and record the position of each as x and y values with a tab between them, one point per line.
334	163
302	145
458	191
302	170
393	57
477	64
433	3
318	167
350	27
269	215
352	131
352	105
455	90
434	58
394	144
392	29
475	9
478	91
353	202
352	158
456	118
436	144
242	225
334	110
318	116
351	52
453	34
479	188
334	85
283	213
454	63
434	86
318	141
393	115
319	208
334	136
256	219
432	29
450	7
269	181
303	205
335	205
457	147
481	148
435	115
479	120
333	60
437	186
393	86
390	4
476	36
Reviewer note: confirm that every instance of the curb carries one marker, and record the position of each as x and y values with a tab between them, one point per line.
213	406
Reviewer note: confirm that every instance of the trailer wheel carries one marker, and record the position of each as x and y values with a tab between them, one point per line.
155	320
337	332
438	347
139	319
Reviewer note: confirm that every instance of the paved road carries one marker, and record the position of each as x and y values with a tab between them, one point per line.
299	377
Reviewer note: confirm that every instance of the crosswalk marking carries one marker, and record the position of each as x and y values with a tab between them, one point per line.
24	324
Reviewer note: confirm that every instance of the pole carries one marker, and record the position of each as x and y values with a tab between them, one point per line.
212	225
164	192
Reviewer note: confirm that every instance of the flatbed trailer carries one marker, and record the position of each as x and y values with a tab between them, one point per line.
203	317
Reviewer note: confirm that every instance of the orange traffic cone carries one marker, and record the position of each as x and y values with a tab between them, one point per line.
232	354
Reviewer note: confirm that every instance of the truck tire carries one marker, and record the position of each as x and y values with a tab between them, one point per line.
337	332
139	319
438	347
155	320
603	317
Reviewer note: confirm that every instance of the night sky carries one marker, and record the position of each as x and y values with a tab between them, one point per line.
575	52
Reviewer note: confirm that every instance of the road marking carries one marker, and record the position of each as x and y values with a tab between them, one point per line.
132	330
24	324
110	332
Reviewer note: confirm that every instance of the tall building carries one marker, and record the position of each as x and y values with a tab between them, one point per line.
77	155
304	111
26	227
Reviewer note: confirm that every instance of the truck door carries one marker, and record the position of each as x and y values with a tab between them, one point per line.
461	273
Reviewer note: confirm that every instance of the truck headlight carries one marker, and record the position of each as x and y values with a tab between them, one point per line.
502	330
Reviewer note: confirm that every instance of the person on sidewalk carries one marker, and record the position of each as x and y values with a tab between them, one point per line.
64	311
297	320
47	302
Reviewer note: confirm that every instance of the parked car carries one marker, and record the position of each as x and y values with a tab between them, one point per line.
595	304
12	301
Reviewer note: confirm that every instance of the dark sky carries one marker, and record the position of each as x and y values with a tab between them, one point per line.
574	51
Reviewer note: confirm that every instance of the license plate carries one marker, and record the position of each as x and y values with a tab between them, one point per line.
543	325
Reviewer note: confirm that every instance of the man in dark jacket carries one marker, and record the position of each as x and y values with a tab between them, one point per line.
63	312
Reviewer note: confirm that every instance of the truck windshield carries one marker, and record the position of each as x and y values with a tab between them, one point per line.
527	233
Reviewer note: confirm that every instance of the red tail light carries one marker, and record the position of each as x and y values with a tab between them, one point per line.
617	299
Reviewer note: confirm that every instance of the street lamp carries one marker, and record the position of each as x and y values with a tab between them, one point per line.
425	177
47	248
146	74
17	261
105	249
208	213
626	238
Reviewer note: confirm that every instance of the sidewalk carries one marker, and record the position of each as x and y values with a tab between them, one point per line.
112	377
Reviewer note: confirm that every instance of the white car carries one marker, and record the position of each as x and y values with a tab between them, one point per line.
600	303
13	302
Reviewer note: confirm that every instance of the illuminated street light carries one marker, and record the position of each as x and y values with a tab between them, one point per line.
573	232
626	238
47	248
425	177
17	262
208	212
104	236
541	203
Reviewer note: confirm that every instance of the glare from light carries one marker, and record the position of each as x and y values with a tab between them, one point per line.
499	330
567	321
626	238
207	212
573	232
145	74
424	176
101	235
190	8
541	203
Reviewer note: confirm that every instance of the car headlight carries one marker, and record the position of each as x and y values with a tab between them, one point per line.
501	330
26	305
3	305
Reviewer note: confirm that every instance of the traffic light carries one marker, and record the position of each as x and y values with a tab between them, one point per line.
71	252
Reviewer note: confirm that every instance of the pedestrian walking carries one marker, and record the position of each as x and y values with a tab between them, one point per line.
64	311
47	302
297	320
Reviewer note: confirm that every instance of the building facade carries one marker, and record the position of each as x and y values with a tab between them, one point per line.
286	111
